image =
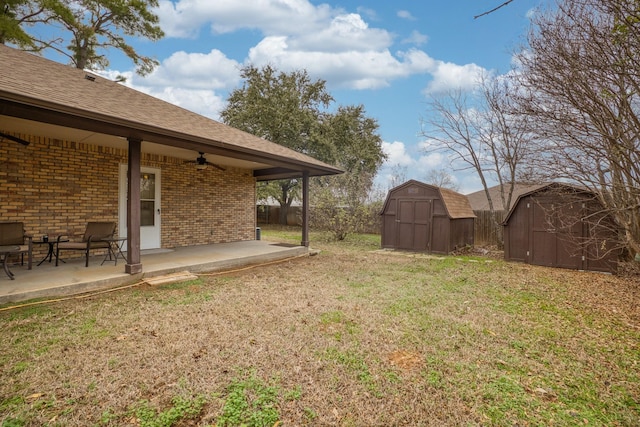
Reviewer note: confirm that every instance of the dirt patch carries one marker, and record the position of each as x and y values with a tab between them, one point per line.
406	359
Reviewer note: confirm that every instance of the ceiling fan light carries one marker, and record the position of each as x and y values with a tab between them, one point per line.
201	166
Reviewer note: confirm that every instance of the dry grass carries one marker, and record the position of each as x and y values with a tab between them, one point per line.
351	337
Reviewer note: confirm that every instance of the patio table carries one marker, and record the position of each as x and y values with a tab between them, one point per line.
115	249
50	251
5	251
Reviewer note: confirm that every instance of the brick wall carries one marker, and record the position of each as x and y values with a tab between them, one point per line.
56	187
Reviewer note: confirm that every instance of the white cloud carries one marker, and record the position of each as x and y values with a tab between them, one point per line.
469	183
396	154
204	102
329	43
185	18
195	81
339	47
344	33
532	13
447	75
416	38
405	14
432	161
211	70
369	13
354	69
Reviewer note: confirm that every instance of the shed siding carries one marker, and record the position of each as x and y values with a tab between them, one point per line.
516	240
415	217
441	235
462	232
547	228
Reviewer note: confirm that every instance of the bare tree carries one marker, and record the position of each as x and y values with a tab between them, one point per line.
441	178
500	6
482	134
398	175
580	87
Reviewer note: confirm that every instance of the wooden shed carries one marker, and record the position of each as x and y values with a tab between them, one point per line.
558	225
422	217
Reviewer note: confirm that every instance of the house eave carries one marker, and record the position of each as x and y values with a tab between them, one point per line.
60	115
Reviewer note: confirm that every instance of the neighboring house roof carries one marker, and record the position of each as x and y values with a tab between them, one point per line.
480	202
39	90
456	204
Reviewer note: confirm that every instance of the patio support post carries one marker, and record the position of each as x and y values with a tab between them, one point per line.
133	265
305	209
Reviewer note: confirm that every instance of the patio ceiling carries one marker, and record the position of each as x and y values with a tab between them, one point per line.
17	125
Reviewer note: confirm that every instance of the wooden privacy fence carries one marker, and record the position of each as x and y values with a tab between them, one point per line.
488	228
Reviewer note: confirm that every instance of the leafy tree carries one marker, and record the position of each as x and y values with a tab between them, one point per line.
356	147
284	108
83	29
10	24
341	203
17	14
291	110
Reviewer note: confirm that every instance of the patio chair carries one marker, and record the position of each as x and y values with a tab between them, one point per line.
13	234
93	238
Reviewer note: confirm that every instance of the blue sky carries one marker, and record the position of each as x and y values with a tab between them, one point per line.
385	55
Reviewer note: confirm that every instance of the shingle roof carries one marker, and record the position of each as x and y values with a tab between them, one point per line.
35	88
456	204
480	202
560	189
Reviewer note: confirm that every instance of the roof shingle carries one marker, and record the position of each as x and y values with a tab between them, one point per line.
32	81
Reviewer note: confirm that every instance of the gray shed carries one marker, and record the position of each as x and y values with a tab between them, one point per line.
422	217
558	225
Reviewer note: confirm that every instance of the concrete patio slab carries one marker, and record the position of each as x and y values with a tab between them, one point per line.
73	278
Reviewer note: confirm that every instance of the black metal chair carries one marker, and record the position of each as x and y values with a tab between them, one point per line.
93	238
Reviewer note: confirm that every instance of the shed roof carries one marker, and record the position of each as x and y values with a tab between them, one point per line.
456	204
39	90
558	188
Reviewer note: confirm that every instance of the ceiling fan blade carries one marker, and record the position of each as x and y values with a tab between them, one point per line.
217	166
202	162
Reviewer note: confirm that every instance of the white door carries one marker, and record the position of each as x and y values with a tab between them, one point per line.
149	206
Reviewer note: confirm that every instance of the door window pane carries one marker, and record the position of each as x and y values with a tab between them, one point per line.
147	199
147	186
147	207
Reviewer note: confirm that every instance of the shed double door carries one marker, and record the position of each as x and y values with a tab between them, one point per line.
413	221
555	234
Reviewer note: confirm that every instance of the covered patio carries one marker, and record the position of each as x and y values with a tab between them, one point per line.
76	148
72	278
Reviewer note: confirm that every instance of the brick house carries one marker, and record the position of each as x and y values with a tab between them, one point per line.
70	141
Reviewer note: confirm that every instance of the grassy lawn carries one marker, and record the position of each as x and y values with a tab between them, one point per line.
353	336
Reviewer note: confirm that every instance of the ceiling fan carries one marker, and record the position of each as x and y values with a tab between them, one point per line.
202	163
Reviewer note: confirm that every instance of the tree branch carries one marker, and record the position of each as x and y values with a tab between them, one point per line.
493	10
